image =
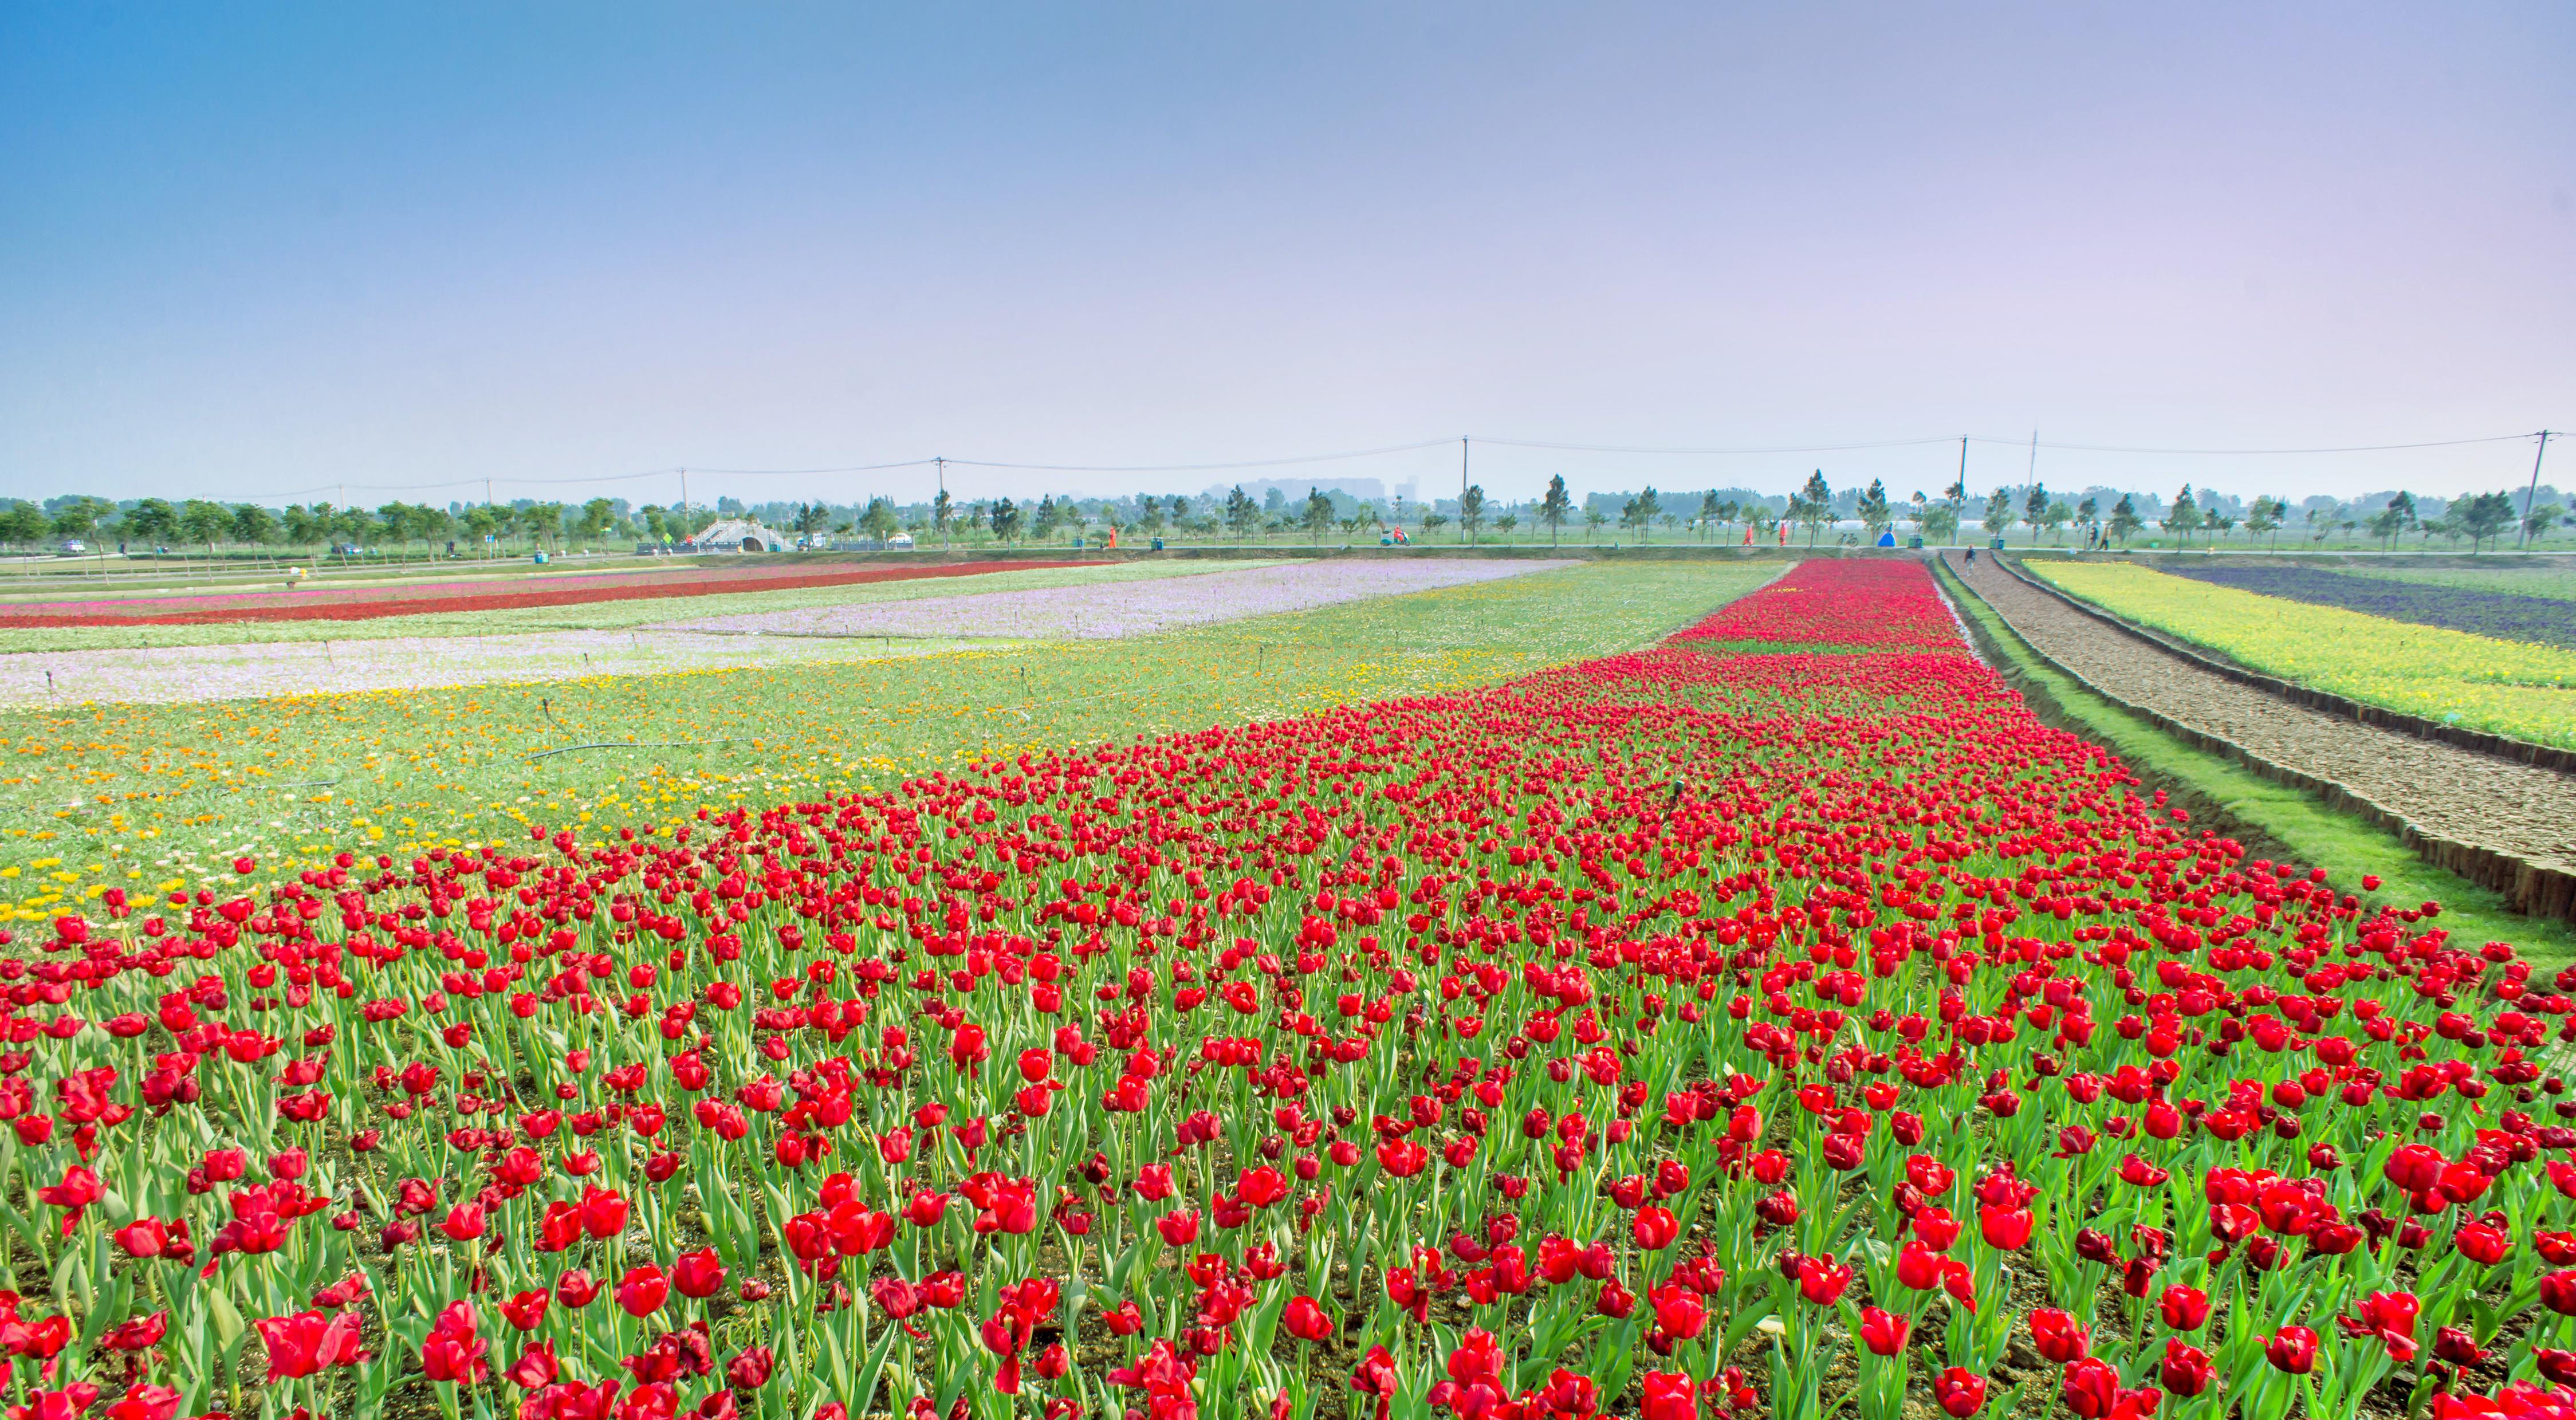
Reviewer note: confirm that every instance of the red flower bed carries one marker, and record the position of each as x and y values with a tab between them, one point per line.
1497	1055
369	605
1875	602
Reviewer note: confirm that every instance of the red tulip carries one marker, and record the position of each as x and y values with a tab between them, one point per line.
2292	1349
2187	1370
1679	1311
1655	1228
2005	1228
307	1343
1821	1280
698	1274
2183	1308
1670	1397
2058	1337
641	1290
1959	1392
1884	1332
1306	1321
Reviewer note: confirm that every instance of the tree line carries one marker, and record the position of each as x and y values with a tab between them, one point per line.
154	524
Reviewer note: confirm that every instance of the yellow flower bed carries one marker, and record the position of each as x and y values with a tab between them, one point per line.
2509	687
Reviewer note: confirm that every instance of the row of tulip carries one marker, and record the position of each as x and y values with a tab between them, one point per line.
375	603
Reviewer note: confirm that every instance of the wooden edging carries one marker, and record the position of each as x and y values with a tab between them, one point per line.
2504	747
2527	887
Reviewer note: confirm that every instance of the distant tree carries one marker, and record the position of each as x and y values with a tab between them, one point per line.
1707	513
81	515
880	520
1593	518
548	520
205	522
1318	514
597	516
23	524
1047	519
2124	519
413	522
2263	517
2321	521
1149	514
943	515
2034	509
1999	511
1872	509
1005	519
1432	520
2385	525
2056	515
1818	499
2184	516
1940	523
150	520
1471	511
1506	523
810	518
1554	508
254	525
2487	515
2541	519
1241	513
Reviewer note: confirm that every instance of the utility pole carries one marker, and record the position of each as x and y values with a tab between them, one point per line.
1963	468
942	462
1462	483
2528	493
2033	477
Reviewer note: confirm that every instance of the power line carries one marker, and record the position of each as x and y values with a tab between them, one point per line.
1197	467
2244	453
799	472
1658	449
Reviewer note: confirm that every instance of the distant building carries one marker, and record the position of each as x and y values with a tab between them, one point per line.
741	535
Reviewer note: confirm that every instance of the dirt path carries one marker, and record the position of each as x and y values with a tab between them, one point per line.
2510	826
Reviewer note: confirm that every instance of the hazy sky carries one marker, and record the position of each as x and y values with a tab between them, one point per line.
258	250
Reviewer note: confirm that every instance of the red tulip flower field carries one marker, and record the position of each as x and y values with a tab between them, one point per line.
1688	1033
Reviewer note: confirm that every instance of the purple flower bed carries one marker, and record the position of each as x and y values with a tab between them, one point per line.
1113	610
2545	620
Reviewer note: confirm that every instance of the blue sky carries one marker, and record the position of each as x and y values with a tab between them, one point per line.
256	250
